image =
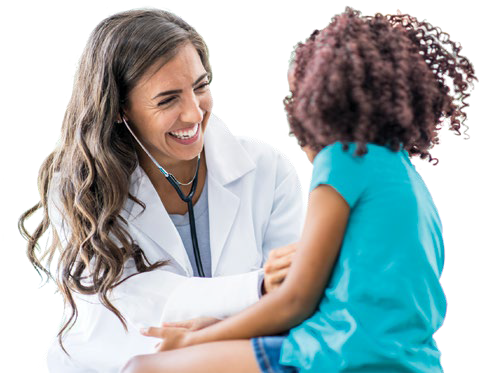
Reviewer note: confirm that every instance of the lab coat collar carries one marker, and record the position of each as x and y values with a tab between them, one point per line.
227	161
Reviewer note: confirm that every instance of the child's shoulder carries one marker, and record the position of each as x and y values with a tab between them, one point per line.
340	154
352	175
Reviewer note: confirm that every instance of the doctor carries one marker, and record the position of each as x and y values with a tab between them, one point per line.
141	103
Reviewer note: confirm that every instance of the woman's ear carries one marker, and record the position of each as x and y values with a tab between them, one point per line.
121	116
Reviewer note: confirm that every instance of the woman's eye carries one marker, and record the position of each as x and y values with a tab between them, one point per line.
202	86
166	101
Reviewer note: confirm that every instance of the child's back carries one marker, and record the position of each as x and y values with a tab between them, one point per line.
384	297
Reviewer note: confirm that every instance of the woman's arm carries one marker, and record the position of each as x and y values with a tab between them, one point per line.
301	291
162	296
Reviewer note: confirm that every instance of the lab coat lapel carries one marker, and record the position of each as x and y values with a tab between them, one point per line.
155	221
227	161
223	208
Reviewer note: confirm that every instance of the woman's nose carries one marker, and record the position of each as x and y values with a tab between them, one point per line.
191	111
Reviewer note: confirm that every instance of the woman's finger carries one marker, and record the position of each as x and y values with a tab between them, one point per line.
162	346
272	281
158	347
153	331
279	276
281	251
178	324
276	279
280	263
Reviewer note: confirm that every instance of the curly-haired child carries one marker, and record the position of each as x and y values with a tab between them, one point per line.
363	291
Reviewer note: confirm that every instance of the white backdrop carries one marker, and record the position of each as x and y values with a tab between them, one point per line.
250	44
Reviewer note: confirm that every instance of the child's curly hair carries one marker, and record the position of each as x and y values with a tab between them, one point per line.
388	80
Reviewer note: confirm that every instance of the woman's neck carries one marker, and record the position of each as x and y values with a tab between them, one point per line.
183	171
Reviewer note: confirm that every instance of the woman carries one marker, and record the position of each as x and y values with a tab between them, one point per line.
127	254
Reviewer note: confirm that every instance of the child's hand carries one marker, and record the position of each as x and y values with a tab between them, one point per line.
172	337
277	267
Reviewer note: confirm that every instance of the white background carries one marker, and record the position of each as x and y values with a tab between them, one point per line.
250	45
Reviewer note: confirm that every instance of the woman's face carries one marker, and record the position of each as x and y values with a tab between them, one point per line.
170	106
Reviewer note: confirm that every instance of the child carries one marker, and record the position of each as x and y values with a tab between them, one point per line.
363	291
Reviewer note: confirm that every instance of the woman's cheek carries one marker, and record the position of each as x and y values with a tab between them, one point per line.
207	102
206	105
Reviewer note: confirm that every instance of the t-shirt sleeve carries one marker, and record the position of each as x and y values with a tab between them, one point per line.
343	170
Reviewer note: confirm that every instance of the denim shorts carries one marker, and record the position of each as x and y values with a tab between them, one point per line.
267	352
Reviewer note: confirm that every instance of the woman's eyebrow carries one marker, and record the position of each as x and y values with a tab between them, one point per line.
166	93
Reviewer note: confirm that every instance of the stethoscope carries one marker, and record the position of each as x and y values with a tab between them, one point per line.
186	198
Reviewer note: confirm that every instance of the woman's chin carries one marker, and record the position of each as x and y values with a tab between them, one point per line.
189	152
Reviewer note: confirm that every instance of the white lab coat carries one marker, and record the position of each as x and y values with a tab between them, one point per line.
254	206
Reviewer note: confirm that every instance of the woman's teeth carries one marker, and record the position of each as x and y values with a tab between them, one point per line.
186	133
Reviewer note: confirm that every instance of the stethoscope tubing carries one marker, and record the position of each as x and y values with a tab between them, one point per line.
191	214
185	198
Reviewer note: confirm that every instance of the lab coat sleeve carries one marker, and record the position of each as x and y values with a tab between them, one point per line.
161	296
287	215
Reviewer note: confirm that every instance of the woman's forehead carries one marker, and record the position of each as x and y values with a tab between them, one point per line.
184	68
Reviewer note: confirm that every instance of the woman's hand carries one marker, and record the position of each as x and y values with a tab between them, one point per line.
193	324
177	334
172	337
277	267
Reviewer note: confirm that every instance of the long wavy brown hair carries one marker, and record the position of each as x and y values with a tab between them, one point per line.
389	80
84	182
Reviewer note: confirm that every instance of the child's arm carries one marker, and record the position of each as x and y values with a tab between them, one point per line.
298	296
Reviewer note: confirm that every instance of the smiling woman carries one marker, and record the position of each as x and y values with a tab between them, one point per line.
173	104
126	255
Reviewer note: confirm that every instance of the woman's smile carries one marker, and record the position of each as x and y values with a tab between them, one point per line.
186	136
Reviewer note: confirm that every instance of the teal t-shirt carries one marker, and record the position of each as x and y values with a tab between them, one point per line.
383	301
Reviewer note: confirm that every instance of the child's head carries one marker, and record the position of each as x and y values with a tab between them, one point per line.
388	80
